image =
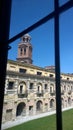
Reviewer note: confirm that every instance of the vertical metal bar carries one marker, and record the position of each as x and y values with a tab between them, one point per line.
5	11
57	69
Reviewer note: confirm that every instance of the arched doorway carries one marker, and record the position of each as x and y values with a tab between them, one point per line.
52	103
39	106
21	109
69	101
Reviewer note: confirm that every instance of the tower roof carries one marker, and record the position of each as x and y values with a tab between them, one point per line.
25	49
26	38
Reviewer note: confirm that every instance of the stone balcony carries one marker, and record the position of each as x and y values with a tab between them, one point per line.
40	94
52	93
23	95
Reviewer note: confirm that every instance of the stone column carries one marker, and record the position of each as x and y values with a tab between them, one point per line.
48	104
43	86
6	85
27	108
48	87
35	89
34	107
54	88
43	105
54	103
16	85
28	85
14	112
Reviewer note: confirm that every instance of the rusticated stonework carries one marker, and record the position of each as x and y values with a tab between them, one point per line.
30	90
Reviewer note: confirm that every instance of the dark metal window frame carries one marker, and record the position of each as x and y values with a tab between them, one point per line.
5	11
21	70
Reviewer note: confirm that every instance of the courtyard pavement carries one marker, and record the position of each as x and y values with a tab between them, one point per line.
20	120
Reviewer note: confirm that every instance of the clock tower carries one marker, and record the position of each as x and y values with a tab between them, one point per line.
25	50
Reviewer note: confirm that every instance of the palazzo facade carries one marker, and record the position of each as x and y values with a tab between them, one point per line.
29	89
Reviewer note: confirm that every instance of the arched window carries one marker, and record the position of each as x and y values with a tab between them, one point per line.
51	88
24	51
38	88
21	88
21	51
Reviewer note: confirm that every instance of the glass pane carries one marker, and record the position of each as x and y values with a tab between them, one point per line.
62	2
27	12
33	95
66	48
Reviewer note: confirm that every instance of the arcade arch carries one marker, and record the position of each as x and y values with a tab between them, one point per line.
21	109
39	105
52	103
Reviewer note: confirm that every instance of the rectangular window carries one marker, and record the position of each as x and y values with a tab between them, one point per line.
45	86
31	85
22	70
30	108
51	75
10	85
67	78
39	73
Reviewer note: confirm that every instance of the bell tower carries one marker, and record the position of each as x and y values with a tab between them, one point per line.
25	49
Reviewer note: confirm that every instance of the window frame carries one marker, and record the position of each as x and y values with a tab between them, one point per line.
4	49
